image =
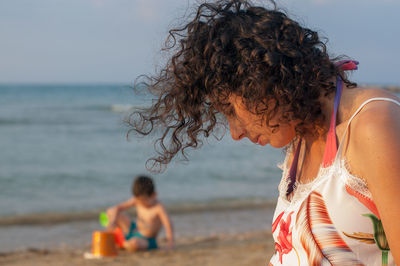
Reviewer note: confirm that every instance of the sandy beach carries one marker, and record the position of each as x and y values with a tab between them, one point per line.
253	248
219	237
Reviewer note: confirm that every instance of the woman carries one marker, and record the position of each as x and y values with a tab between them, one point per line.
274	82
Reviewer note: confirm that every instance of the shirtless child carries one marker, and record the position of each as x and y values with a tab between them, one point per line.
151	214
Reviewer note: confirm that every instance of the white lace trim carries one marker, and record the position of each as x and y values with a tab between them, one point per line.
355	182
301	191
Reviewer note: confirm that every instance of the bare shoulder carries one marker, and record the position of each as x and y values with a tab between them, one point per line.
162	212
367	92
376	113
159	207
377	116
374	135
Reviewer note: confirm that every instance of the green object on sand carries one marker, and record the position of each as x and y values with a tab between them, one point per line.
103	219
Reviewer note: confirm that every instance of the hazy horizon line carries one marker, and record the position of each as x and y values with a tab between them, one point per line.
130	84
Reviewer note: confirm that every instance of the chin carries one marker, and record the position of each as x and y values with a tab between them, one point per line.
278	145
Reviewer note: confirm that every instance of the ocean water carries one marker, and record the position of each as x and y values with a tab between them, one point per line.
64	150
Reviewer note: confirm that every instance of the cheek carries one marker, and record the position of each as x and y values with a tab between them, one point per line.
282	137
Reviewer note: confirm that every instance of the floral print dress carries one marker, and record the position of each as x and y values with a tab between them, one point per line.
331	220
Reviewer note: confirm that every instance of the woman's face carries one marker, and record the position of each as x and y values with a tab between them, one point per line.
245	124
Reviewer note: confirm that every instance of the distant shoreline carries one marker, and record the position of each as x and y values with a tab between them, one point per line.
391	88
53	218
394	88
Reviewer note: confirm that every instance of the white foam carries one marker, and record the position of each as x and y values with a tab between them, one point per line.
121	108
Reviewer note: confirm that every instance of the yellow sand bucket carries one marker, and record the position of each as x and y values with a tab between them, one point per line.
103	244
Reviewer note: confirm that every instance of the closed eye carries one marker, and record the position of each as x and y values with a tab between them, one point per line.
230	110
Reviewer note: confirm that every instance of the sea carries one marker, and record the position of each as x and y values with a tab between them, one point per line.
65	152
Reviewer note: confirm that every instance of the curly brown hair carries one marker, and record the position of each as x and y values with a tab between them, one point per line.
235	47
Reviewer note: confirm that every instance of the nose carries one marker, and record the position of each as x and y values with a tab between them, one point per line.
237	132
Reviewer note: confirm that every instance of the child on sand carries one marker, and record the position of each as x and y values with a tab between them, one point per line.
151	214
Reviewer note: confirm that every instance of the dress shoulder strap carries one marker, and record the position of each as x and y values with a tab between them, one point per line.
341	143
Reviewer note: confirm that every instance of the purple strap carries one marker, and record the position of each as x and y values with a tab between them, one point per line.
339	89
344	65
293	170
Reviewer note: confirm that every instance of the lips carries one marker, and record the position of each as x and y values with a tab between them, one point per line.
256	140
260	142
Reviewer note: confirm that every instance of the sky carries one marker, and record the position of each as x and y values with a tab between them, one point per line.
114	41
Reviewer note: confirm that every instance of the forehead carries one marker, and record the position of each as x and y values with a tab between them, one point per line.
236	105
239	103
226	103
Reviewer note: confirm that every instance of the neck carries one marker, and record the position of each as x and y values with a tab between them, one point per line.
327	108
319	133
